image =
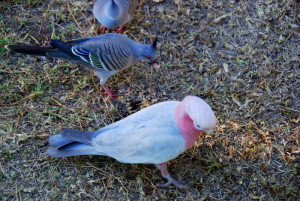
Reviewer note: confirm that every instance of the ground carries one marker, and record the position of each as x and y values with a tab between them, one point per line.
241	56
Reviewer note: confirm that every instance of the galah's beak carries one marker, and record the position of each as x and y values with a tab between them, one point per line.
210	131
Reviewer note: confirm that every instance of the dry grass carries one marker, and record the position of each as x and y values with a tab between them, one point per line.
241	56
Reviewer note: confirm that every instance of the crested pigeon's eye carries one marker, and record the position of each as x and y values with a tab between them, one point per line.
148	57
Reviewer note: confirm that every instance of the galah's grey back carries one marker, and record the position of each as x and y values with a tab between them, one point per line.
148	136
114	13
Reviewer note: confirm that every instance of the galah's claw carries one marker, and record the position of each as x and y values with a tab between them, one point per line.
178	184
164	172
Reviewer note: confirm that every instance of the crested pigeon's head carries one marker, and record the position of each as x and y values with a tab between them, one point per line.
149	52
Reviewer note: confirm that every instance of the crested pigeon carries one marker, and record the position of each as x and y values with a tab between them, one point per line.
105	55
153	135
114	13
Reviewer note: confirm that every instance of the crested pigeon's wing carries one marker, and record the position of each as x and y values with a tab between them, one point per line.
111	52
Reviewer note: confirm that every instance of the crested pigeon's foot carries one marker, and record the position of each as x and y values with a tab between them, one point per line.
103	29
111	94
119	30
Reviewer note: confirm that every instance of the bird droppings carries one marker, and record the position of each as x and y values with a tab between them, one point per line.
253	153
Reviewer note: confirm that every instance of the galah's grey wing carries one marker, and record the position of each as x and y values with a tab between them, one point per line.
141	142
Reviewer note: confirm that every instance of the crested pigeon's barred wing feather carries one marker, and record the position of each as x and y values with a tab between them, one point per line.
81	52
112	54
96	61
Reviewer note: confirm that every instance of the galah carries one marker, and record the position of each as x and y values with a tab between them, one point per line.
154	135
114	13
105	55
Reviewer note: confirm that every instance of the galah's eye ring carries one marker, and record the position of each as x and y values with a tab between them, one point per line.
197	126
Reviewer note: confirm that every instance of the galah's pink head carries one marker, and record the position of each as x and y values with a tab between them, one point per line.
200	113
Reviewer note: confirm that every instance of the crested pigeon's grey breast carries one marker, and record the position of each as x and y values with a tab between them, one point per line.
128	5
114	13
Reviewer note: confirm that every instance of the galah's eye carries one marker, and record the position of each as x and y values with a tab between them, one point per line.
197	126
148	57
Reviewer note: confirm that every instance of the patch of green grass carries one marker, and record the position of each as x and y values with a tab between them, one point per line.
28	2
9	156
214	163
292	191
40	87
5	41
4	87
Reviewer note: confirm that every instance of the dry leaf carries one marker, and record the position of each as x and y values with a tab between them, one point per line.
218	19
156	65
225	66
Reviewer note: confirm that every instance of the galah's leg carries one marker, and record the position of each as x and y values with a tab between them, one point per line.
119	30
109	92
164	172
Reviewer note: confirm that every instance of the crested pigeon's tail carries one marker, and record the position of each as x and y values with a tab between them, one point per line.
72	143
58	49
32	50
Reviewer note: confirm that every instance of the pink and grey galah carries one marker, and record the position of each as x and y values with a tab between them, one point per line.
154	135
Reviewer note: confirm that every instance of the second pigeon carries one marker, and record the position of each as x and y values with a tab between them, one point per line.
114	13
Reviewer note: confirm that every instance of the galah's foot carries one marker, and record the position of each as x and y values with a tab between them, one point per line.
178	184
164	172
119	30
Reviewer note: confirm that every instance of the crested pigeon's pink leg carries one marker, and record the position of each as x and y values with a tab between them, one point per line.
109	92
102	29
164	172
119	30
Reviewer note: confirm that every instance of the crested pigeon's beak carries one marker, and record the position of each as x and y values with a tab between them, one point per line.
154	43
